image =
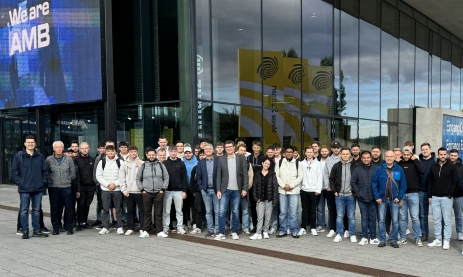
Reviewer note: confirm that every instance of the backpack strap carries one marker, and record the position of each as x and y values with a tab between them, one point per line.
103	163
297	165
142	169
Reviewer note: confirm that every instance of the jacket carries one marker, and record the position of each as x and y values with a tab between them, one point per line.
256	163
360	182
109	175
75	185
97	161
327	170
85	166
29	172
241	173
177	175
272	187
193	185
61	174
189	164
443	180
312	177
128	175
413	169
378	184
340	171
427	167
288	174
202	177
459	190
251	175
152	177
377	163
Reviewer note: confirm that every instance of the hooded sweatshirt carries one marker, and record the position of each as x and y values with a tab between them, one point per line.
189	164
327	170
312	179
340	177
427	166
443	179
413	169
152	177
459	190
128	175
177	175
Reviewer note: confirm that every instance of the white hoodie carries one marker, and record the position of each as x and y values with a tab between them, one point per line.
312	180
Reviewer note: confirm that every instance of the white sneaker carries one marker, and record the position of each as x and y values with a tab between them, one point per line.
313	232
387	236
235	236
338	238
446	245
436	242
288	232
103	231
128	232
407	231
166	230
120	231
363	241
320	229
353	238
144	234
196	231
220	237
162	235
460	236
346	234
194	226
272	231
331	234
374	241
181	231
266	235
256	236
301	232
141	232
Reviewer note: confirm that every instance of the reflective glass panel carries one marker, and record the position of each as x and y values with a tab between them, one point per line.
369	134
203	50
406	81
346	131
389	77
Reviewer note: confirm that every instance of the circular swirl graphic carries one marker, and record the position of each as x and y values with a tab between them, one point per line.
296	74
323	80
268	68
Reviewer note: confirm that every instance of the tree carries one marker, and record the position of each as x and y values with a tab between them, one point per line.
228	124
339	94
291	53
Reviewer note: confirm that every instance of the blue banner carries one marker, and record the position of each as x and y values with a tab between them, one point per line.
452	133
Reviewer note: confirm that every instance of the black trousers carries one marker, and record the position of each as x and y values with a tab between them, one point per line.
331	203
150	200
200	220
131	202
84	202
252	207
99	202
189	203
309	209
61	198
42	225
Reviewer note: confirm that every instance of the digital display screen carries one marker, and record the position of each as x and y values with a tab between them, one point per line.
50	52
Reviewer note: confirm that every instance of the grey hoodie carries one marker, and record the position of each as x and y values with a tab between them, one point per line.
150	177
327	170
346	174
61	174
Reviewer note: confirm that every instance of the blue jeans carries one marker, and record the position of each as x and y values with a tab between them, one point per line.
170	196
321	209
343	203
233	198
411	202
458	211
211	203
274	217
368	212
245	213
26	198
424	213
442	210
393	207
289	206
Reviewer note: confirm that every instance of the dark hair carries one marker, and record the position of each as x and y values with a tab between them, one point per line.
201	152
241	145
270	147
409	143
365	152
239	139
150	149
308	147
376	147
109	141
110	147
442	149
220	143
354	145
256	142
173	147
197	146
179	141
344	148
295	148
230	142
162	137
267	159
29	137
315	142
74	141
132	147
276	145
289	147
204	140
454	151
123	143
101	144
426	144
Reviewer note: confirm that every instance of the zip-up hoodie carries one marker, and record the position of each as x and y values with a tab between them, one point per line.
327	170
189	164
443	180
459	190
177	175
85	166
128	175
360	182
151	178
413	169
340	177
288	174
109	175
61	174
427	166
312	178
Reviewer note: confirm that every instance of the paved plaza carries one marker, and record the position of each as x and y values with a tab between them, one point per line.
87	253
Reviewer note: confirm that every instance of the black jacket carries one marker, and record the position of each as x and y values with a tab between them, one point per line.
272	163
256	163
177	175
193	183
360	181
378	163
336	176
85	170
272	187
443	180
413	169
427	166
459	190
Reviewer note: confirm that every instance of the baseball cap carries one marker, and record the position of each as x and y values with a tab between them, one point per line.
187	149
335	144
67	150
407	149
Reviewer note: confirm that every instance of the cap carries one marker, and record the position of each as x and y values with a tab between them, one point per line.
67	150
187	149
407	149
335	144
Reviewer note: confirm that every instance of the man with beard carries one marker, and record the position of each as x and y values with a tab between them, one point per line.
376	156
355	150
427	158
458	195
316	150
334	158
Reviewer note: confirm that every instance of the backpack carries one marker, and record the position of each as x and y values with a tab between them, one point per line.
142	169
103	162
297	165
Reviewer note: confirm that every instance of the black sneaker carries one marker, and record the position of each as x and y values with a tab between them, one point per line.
86	226
395	244
25	235
45	230
281	234
55	232
79	227
38	234
70	232
62	230
209	235
296	236
19	232
97	223
424	238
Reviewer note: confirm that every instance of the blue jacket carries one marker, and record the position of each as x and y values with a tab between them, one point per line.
201	174
378	184
29	172
360	181
189	164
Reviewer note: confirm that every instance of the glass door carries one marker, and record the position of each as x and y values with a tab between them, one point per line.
12	142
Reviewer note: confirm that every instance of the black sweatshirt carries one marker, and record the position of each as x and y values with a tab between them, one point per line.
177	175
413	170
443	180
459	190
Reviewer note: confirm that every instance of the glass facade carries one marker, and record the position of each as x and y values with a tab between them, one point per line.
317	70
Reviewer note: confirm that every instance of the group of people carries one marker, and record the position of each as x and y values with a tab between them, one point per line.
211	189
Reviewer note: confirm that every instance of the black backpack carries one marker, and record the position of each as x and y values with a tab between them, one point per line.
103	162
297	165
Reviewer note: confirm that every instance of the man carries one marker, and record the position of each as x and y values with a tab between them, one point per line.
312	184
162	155
427	158
244	202
398	154
388	187
410	144
176	191
132	195
330	199
219	148
199	217
256	160
277	152
180	149
345	201
203	142
162	141
413	169
289	176
323	156
206	177
242	141
376	156
123	150
100	148
442	182
458	195
355	149
107	175
29	172
75	146
84	163
232	184
190	162
316	150
271	157
62	172
361	186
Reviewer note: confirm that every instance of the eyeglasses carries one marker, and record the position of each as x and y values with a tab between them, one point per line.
289	152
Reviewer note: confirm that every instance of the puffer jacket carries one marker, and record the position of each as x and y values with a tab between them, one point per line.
287	173
272	187
152	177
61	174
109	175
128	175
360	182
